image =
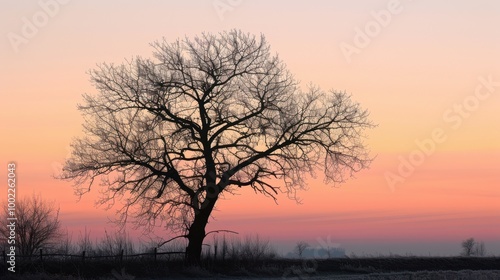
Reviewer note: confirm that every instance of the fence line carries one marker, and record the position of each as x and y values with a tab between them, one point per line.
83	255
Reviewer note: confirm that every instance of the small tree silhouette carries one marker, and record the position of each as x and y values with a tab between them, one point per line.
472	247
300	248
468	246
480	249
37	225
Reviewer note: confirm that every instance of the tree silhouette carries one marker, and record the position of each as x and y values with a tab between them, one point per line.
300	247
37	225
468	247
471	247
209	115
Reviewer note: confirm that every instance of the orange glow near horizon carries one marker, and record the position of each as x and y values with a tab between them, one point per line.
435	66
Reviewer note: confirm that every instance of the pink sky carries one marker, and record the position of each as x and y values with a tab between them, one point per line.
417	73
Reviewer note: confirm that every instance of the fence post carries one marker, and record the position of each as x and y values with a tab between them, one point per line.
155	252
83	256
41	255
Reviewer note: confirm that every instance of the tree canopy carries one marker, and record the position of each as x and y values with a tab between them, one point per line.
205	116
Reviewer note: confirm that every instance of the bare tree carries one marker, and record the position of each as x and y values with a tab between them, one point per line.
209	115
468	247
471	247
37	225
480	250
300	247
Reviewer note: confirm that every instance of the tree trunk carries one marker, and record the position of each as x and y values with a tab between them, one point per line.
196	233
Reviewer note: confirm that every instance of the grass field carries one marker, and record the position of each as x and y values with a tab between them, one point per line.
345	268
428	275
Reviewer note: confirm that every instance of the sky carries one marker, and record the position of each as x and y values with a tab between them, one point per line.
428	72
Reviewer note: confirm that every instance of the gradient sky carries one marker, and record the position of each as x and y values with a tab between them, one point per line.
425	69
